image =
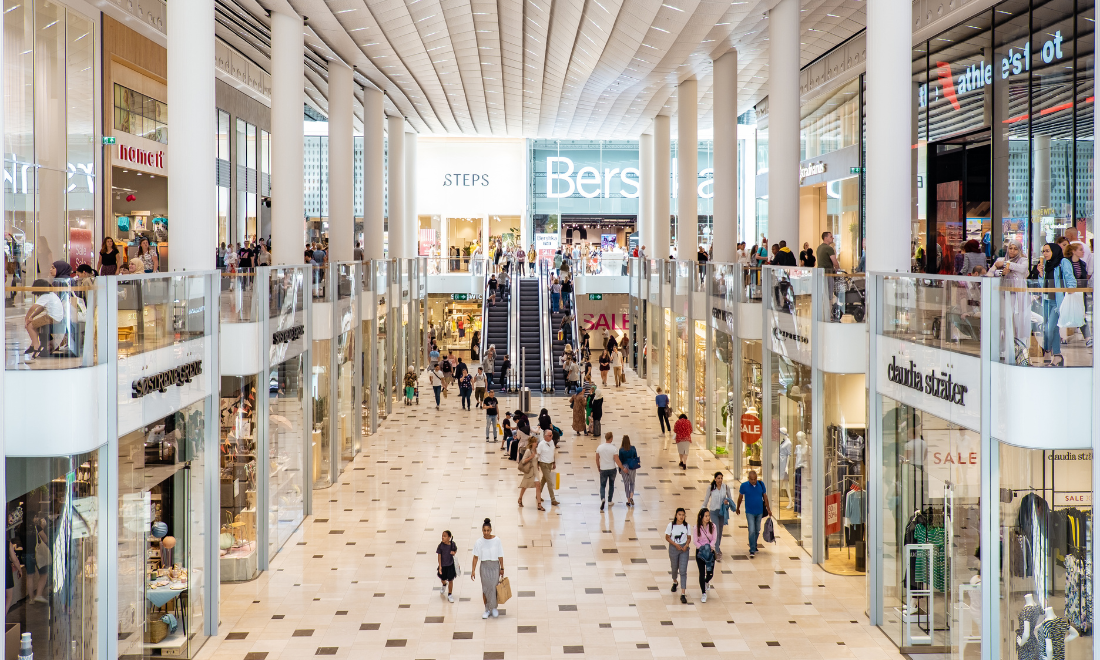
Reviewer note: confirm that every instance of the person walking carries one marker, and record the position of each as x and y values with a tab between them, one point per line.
580	413
521	261
490	553
465	388
662	411
555	295
755	496
605	366
705	531
617	366
596	408
718	500
445	555
628	458
682	429
529	467
547	464
505	367
435	376
489	363
607	464
479	386
678	536
490	405
448	370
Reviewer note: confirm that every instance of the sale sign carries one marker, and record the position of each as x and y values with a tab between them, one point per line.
832	513
750	428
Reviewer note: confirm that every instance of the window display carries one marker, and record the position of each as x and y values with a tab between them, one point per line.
52	561
286	450
846	504
321	437
161	534
237	423
792	405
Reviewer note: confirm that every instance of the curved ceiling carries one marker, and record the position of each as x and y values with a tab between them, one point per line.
548	68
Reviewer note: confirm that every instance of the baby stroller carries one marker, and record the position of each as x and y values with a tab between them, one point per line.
851	298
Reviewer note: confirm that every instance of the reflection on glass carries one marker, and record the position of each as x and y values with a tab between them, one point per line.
286	395
945	314
322	426
845	418
238	434
159	312
53	525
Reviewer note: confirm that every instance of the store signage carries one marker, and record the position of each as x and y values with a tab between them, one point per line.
136	153
597	321
781	334
832	514
586	178
1070	456
595	296
465	180
160	382
751	429
288	335
1082	498
790	337
811	169
941	386
141	156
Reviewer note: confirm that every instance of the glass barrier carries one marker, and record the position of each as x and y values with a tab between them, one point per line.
847	297
54	326
319	280
750	291
941	311
791	290
236	300
155	311
1043	326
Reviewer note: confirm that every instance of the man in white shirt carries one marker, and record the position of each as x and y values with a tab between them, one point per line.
46	310
617	366
607	463
545	454
436	378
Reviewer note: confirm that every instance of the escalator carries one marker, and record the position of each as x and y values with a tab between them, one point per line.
495	332
529	372
557	346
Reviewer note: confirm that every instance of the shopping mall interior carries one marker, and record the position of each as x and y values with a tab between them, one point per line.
658	328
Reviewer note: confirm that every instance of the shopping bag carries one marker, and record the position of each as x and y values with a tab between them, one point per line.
504	591
1071	313
500	430
769	531
557	480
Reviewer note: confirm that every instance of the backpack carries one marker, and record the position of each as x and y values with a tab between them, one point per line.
769	531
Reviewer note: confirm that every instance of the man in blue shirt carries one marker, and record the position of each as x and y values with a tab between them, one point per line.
756	501
662	411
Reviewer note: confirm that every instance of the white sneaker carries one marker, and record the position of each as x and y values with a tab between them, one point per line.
450	598
485	614
496	613
704	598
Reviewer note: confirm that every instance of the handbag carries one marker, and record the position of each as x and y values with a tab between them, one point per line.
1071	313
504	591
41	553
769	531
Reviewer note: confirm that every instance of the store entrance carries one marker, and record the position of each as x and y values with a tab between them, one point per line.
959	194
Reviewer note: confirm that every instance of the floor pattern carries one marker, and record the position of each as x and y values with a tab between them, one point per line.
358	580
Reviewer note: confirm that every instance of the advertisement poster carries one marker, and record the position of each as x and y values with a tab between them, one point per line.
546	245
832	513
80	247
607	241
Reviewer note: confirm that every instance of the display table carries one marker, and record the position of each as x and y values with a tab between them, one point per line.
161	596
240	564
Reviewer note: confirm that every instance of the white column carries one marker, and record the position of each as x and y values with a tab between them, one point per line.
288	237
395	133
890	203
412	223
341	163
192	204
783	119
724	239
687	170
645	199
374	158
662	175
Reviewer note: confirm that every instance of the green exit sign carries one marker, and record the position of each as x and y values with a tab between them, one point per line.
460	296
595	296
108	140
855	170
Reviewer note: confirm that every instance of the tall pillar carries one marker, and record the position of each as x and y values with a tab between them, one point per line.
724	235
288	236
783	120
341	162
687	170
395	134
412	222
374	159
192	206
889	178
662	175
645	199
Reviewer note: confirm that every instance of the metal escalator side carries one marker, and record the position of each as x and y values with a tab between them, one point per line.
495	329
528	355
546	352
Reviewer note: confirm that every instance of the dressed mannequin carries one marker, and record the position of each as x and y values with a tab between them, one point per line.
786	477
1052	633
1030	616
801	461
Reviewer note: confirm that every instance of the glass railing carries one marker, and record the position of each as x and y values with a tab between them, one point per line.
846	301
237	299
156	310
750	291
287	291
319	283
1041	325
791	290
55	326
942	311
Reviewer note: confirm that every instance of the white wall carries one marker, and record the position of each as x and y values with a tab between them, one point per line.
501	160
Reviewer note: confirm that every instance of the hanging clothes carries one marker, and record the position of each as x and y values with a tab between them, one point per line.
1079	592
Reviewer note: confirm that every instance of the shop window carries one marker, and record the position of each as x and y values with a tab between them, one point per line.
832	122
286	445
960	70
140	115
239	439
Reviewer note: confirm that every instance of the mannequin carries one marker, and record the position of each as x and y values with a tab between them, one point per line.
1030	616
801	460
786	477
1053	633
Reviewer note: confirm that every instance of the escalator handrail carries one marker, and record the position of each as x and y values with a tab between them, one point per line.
484	314
513	330
546	349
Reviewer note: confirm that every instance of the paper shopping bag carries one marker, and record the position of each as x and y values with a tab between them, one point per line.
504	591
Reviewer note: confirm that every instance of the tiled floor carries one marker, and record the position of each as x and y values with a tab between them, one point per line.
359	579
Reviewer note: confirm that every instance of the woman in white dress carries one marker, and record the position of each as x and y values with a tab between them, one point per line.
490	553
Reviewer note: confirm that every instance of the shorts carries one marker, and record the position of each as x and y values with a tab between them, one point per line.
682	448
446	574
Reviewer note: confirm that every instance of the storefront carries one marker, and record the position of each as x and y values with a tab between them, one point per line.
455	320
470	197
986	502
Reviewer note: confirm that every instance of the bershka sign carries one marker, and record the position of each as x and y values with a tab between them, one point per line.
590	182
160	382
941	386
288	335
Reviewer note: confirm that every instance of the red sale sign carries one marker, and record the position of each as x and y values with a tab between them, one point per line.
832	513
750	428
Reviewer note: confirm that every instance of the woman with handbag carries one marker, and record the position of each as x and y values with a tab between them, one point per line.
490	553
1055	272
705	535
628	456
529	467
38	560
718	500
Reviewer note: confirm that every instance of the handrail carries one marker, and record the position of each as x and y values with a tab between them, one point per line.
546	352
1080	289
484	315
513	331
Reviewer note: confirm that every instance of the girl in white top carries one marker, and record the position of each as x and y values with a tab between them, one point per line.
490	552
678	534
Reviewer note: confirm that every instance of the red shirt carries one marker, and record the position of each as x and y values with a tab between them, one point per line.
682	429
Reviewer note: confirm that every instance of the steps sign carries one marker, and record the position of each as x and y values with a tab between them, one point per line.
595	296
